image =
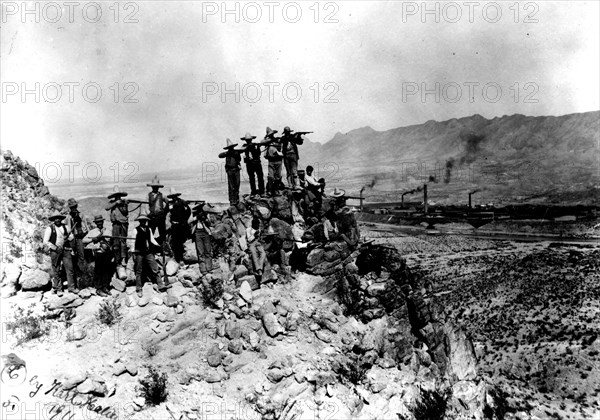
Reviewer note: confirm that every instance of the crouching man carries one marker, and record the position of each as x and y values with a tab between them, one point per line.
97	241
145	246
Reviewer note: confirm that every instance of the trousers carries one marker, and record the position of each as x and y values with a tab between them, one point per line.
120	245
203	250
291	169
233	182
256	177
64	257
146	264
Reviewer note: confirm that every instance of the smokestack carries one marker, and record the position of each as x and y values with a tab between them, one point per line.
361	198
425	207
470	194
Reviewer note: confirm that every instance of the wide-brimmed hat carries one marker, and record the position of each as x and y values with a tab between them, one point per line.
98	218
56	215
248	136
173	193
270	231
199	207
117	193
155	182
270	132
287	129
230	144
71	202
338	192
142	217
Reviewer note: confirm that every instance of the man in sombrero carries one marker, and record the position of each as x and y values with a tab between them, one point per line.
57	240
275	157
145	246
232	167
253	165
103	257
179	213
119	217
157	209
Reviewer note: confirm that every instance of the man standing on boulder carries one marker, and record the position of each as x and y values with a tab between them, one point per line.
145	245
290	144
253	165
79	229
274	156
103	258
232	167
157	209
179	213
57	239
119	217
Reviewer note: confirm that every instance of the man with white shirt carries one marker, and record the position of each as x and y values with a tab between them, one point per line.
103	256
145	245
57	239
257	252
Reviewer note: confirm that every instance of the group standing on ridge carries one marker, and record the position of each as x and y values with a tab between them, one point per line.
247	231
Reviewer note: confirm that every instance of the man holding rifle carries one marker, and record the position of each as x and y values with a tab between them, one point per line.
253	165
97	241
179	213
232	167
290	142
145	246
119	217
157	209
274	156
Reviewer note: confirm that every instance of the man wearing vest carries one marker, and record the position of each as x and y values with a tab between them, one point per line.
103	257
232	167
274	156
201	231
57	239
79	229
179	213
145	245
119	217
253	165
290	144
158	208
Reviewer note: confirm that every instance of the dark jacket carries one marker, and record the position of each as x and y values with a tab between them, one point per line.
252	153
157	205
290	144
143	244
180	211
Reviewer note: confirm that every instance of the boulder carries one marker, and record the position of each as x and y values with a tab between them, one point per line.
170	300
272	325
233	330
251	280
213	356
11	273
172	267
91	386
121	274
76	332
72	381
246	292
315	257
235	346
34	279
462	359
240	271
118	284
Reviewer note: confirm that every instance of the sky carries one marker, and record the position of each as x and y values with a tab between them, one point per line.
178	78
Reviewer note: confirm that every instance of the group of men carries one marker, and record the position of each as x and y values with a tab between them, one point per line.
279	151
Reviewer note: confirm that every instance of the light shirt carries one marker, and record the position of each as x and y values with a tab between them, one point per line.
60	236
312	180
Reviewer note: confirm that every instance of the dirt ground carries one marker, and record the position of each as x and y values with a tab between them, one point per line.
532	310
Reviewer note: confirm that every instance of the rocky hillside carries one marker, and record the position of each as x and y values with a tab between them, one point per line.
354	336
26	204
555	158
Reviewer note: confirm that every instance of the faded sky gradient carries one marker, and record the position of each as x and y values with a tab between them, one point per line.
368	54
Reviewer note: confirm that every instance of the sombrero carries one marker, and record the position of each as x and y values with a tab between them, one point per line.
117	193
173	193
56	216
270	132
338	193
142	217
98	218
248	136
287	129
230	145
155	182
71	202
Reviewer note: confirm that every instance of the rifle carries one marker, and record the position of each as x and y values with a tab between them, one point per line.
301	133
196	201
133	200
351	197
114	237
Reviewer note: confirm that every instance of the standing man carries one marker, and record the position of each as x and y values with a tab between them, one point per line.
157	209
232	167
290	144
145	245
56	240
103	258
201	230
119	217
179	212
79	229
274	156
253	165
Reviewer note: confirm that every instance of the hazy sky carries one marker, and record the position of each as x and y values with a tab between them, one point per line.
178	53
